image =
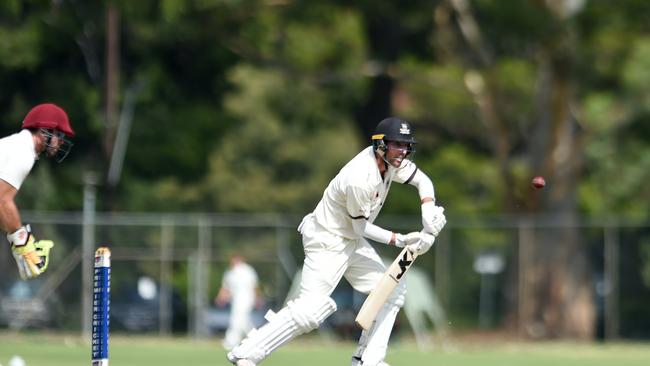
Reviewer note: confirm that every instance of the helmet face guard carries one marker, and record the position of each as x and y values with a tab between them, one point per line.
380	144
57	145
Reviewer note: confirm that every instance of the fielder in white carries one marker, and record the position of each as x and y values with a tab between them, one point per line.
45	132
239	287
334	240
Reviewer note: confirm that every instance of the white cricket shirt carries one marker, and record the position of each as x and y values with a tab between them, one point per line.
241	281
17	155
358	191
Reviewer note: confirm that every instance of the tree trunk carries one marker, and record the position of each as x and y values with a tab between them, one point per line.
112	90
384	38
557	298
112	77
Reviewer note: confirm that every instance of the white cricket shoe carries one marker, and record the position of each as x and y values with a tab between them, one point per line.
244	362
239	361
356	361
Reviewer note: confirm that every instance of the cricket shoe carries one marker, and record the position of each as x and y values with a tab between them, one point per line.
239	361
244	362
356	361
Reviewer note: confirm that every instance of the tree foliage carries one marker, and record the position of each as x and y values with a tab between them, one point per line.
253	105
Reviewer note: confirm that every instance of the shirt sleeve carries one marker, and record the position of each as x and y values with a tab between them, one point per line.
254	277
358	202
14	169
225	281
424	185
405	173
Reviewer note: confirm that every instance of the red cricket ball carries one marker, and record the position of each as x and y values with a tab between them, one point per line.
538	182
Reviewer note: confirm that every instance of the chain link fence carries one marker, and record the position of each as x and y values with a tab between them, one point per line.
177	261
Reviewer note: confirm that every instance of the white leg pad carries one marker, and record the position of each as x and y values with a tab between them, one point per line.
398	296
374	341
299	316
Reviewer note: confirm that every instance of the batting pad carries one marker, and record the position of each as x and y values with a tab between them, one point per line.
299	316
374	341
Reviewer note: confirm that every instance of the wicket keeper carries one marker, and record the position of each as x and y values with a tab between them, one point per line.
45	132
334	240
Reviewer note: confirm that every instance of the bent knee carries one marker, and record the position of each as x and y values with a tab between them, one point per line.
310	311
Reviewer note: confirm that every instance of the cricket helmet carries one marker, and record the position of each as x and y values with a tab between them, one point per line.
48	116
392	129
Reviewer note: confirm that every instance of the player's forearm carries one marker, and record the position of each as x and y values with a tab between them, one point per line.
372	231
223	296
9	216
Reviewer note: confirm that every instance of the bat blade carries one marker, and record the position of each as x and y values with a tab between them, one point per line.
378	296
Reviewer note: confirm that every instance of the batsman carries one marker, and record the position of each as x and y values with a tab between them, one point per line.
335	246
45	132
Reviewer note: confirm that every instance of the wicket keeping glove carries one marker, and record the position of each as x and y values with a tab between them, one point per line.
433	218
402	240
32	257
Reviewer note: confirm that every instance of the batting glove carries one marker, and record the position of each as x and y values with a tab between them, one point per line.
424	244
433	218
402	240
31	257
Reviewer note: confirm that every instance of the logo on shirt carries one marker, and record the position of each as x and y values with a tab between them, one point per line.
405	130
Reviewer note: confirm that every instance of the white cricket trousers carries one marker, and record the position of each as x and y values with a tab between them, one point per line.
328	258
240	320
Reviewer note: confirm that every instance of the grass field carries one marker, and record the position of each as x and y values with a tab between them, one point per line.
60	350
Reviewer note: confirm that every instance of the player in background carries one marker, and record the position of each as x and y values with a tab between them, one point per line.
45	132
334	241
239	286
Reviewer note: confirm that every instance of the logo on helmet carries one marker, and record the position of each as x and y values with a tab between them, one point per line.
405	130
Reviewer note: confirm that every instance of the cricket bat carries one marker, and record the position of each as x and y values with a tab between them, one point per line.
385	287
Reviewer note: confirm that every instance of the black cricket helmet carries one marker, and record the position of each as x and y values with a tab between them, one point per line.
393	129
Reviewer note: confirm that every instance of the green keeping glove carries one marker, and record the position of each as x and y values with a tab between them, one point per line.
31	257
43	250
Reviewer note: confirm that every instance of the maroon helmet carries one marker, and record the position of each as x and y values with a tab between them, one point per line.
52	123
48	116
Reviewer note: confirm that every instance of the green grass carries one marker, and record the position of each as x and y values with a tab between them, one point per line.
70	350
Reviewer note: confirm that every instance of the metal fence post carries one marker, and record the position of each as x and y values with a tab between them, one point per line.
443	268
525	245
611	248
166	249
87	252
201	280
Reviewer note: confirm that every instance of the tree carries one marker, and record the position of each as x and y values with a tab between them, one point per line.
547	141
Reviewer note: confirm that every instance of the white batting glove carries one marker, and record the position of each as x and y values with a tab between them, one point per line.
424	244
433	218
402	240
